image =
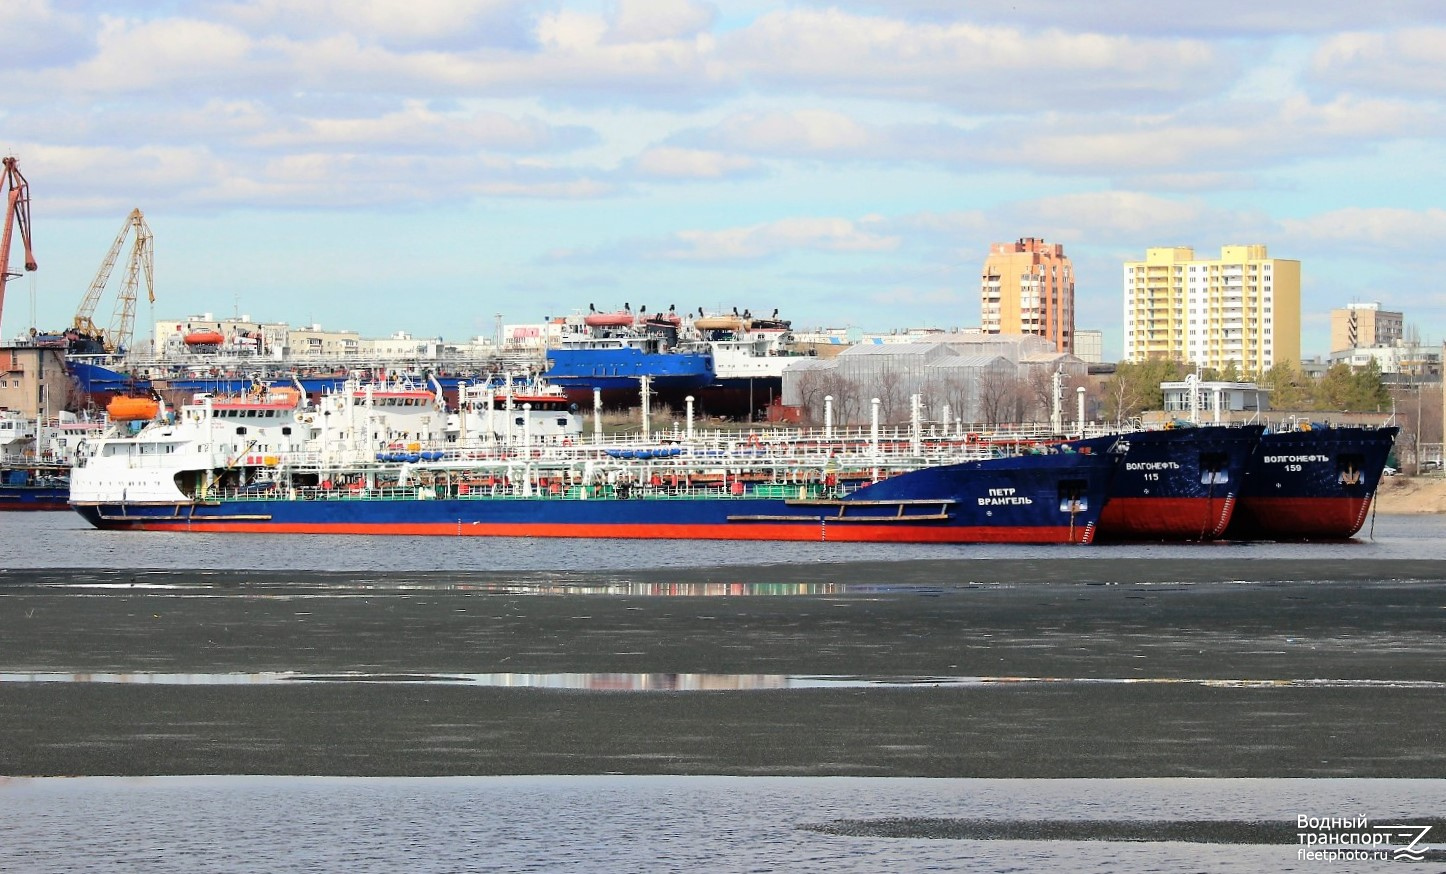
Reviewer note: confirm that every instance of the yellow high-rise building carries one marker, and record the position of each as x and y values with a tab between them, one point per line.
1243	307
1027	287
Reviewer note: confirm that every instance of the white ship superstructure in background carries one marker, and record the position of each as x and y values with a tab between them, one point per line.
226	443
744	347
17	434
749	355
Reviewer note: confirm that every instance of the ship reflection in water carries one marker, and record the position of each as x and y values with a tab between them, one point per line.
656	682
679	590
198	583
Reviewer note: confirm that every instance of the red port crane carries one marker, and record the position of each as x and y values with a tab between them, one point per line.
17	213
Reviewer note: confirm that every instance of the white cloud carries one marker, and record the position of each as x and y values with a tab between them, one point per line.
967	65
401	24
775	238
140	55
1104	217
1373	230
806	132
89	180
964	124
1189	149
652	20
1409	61
38	36
1218	18
419	127
645	51
672	163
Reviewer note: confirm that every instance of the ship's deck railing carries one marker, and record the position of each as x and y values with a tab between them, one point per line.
580	472
30	460
885	443
644	462
516	491
233	363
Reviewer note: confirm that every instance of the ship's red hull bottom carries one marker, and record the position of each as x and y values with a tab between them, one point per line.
7	506
1149	518
1300	518
845	533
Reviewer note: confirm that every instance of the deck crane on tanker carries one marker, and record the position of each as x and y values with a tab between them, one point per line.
17	214
117	337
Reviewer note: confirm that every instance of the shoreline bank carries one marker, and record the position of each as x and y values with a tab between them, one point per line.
1411	495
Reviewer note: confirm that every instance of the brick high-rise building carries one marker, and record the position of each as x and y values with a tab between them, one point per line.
1027	287
1243	307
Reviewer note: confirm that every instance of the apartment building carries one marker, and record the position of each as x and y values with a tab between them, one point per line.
1027	287
1364	325
1243	307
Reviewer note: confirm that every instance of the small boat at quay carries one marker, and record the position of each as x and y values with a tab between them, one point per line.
378	460
36	457
32	485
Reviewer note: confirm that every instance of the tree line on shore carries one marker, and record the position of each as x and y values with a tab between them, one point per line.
1135	387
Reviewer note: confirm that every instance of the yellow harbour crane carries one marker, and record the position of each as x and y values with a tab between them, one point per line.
117	337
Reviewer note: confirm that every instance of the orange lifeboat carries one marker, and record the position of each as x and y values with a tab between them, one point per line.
128	409
718	323
285	394
619	319
204	338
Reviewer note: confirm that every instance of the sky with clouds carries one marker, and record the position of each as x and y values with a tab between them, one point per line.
427	165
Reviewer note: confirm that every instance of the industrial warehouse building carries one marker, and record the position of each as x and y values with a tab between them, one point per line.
961	378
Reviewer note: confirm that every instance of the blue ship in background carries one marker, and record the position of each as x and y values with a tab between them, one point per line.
612	353
98	384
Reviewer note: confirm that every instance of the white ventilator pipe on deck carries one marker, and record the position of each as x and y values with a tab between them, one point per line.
464	409
1056	402
828	417
689	401
1218	396
492	416
914	425
507	412
527	427
1079	414
597	415
645	394
1193	382
373	435
874	424
874	435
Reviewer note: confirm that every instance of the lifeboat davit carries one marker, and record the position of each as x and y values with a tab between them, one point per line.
128	409
618	319
770	325
204	338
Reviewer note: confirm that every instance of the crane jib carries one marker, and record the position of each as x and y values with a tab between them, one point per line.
17	215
